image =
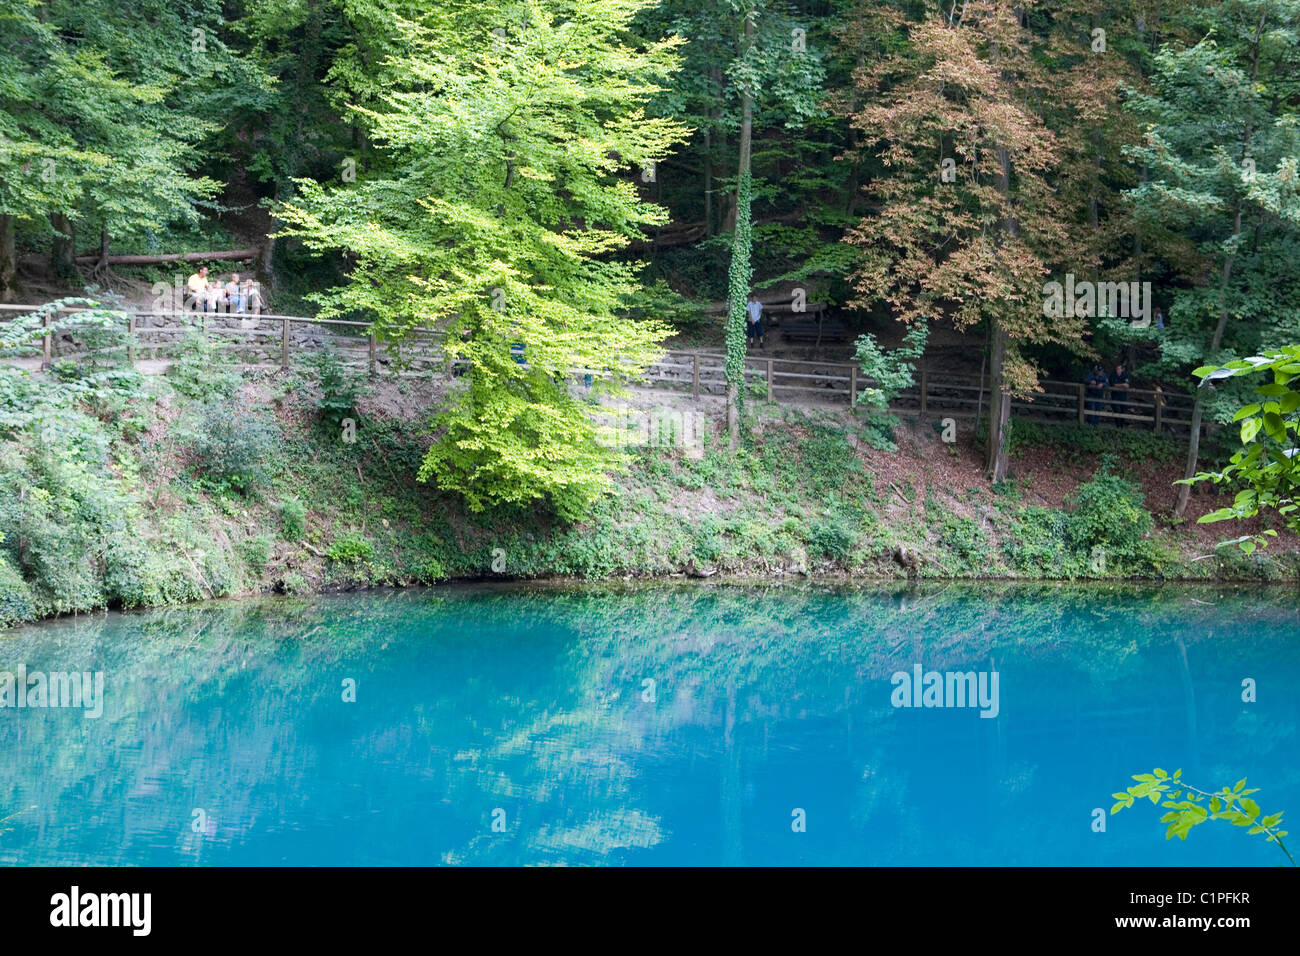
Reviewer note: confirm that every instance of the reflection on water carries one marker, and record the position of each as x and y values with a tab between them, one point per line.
665	725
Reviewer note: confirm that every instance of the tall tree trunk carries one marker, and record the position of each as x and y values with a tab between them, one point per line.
725	200
102	264
1137	277
265	269
999	404
740	273
63	256
1194	440
265	266
708	184
999	398
8	260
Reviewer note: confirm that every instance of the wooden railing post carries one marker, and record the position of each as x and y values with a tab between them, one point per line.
853	386
284	343
770	380
1158	398
695	376
1080	387
372	354
48	346
130	339
923	391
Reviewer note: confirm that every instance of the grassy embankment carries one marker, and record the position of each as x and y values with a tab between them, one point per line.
205	483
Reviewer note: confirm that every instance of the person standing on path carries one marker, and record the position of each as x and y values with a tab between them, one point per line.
754	323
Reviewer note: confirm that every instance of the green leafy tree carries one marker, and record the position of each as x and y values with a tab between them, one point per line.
33	140
320	56
508	136
1268	463
751	84
101	114
773	54
887	373
1220	147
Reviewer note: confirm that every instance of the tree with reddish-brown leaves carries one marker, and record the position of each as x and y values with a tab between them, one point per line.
967	220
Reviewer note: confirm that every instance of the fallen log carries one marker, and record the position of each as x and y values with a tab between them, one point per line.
677	235
171	257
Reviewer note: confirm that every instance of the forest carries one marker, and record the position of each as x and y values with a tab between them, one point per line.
1100	194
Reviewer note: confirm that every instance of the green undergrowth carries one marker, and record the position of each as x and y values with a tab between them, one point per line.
1074	444
136	492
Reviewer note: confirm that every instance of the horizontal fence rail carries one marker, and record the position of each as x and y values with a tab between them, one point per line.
275	341
934	394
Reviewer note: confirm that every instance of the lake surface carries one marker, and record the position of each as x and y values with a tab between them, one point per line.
720	724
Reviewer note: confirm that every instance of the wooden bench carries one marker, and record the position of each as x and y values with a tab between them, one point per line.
817	332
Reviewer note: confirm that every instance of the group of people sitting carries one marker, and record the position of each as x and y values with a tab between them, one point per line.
213	295
1096	384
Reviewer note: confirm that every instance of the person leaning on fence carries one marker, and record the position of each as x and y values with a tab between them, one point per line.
1095	384
197	287
1119	386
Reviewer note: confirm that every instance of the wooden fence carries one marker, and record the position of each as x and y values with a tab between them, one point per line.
944	394
276	341
259	341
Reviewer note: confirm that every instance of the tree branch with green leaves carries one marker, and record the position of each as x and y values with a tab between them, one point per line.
1190	806
1267	465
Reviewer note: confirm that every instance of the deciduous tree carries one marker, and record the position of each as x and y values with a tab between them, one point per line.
510	139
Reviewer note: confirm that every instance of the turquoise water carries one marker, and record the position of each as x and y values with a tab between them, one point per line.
225	738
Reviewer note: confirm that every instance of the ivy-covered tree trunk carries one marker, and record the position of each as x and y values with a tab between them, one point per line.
737	292
741	270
